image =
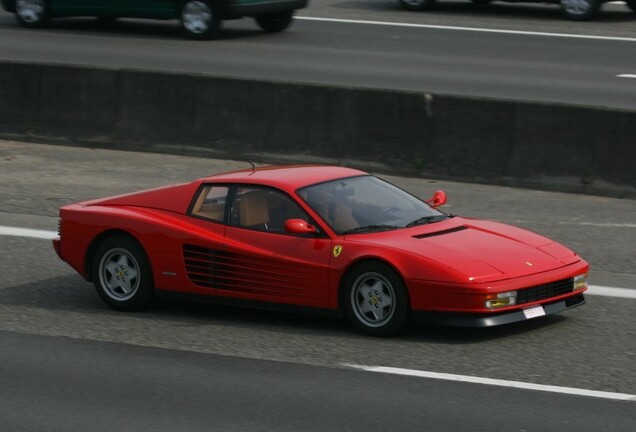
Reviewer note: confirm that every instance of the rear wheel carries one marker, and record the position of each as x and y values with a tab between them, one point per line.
33	13
275	22
416	5
376	301
580	10
199	19
122	274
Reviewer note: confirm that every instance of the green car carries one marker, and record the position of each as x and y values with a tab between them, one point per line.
200	19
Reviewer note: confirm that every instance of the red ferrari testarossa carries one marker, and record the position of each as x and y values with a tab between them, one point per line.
320	238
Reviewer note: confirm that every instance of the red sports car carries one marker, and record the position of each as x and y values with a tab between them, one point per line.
317	238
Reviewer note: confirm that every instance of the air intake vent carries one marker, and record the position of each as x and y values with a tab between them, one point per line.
438	233
210	268
546	291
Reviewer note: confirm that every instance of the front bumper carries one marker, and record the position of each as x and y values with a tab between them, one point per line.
251	9
492	319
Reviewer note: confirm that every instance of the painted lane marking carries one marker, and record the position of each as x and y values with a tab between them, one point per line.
50	235
471	29
603	224
611	292
495	382
626	76
27	232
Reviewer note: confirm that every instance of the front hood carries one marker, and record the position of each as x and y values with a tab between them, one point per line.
483	251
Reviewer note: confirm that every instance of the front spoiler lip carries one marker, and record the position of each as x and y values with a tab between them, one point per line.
491	320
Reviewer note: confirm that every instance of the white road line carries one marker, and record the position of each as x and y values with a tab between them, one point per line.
49	235
496	382
27	232
603	224
626	76
471	29
611	292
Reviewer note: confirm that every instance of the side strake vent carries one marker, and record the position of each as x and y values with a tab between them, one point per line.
438	233
225	270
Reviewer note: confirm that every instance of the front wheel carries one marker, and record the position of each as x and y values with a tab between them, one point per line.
199	19
122	274
580	10
376	301
274	23
33	13
417	5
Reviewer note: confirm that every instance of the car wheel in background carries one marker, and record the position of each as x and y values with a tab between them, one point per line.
580	10
33	13
275	22
107	19
199	19
375	299
122	274
631	4
417	4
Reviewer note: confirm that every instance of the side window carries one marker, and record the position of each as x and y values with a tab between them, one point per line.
210	202
264	209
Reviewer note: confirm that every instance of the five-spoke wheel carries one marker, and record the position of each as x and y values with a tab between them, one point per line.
122	275
580	10
375	299
199	19
32	13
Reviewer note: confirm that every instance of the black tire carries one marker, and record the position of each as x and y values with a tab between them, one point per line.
481	2
199	19
107	20
580	10
417	5
33	13
631	4
274	23
122	274
375	299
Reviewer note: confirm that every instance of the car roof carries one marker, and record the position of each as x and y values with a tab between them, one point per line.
288	177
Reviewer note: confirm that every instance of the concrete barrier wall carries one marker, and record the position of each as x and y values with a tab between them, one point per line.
544	145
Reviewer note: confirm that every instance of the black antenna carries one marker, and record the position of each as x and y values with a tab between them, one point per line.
253	166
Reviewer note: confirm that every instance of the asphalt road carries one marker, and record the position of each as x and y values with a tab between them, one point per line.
75	385
478	63
69	363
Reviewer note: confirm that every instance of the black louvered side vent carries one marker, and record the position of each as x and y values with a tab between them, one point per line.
233	271
201	265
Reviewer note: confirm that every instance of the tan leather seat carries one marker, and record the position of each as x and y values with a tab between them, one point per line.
253	209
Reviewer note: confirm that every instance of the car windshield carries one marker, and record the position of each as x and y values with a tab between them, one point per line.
367	204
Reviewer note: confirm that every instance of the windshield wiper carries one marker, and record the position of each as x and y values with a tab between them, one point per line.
427	219
370	228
